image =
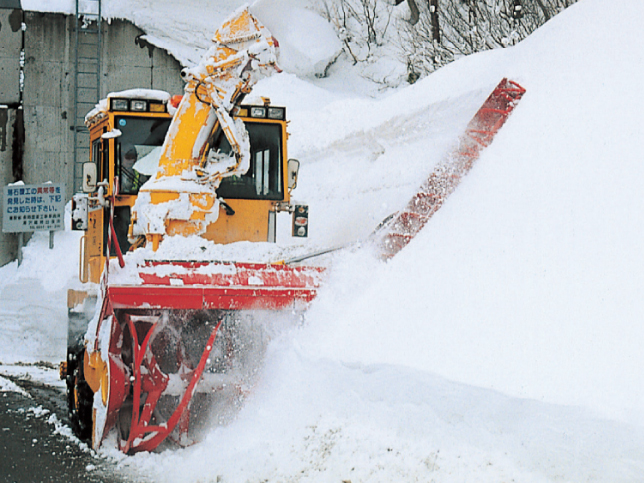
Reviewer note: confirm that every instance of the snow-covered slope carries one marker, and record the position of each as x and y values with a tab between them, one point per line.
528	279
504	343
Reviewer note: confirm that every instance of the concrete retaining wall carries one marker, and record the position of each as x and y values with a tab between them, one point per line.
48	99
127	62
10	45
8	241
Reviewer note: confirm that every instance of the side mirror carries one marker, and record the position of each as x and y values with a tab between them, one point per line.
89	177
293	168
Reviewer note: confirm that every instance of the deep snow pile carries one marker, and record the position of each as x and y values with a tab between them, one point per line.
504	342
33	300
307	40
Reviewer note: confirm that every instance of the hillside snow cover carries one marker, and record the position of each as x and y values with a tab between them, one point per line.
504	343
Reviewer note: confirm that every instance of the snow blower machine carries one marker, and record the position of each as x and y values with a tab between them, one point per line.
169	341
169	338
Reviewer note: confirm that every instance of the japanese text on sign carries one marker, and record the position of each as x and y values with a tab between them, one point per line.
33	207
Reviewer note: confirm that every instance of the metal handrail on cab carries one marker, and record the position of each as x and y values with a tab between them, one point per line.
83	276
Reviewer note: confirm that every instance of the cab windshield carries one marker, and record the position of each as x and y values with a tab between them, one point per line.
138	150
263	180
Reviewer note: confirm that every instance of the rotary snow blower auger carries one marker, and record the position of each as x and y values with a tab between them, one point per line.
182	342
173	338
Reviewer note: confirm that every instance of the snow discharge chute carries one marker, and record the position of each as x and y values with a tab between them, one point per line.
480	132
181	198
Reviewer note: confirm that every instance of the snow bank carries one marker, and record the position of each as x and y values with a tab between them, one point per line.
8	386
33	308
308	42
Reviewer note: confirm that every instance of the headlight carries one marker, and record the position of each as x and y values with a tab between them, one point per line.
257	112
139	105
276	113
120	105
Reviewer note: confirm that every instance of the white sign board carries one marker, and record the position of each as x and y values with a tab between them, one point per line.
33	207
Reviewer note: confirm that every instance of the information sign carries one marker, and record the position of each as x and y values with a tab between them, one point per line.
33	208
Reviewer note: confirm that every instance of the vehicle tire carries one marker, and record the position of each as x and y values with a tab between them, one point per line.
79	396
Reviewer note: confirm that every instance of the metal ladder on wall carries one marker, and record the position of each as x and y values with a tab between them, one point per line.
87	78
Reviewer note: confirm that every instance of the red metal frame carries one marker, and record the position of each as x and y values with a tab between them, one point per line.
229	274
217	285
152	382
443	181
204	297
181	286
